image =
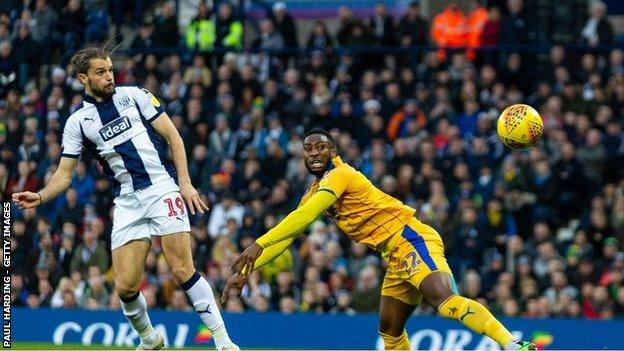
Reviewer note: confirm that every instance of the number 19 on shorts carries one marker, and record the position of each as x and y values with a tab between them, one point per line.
179	206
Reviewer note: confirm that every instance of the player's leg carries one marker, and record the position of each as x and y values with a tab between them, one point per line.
177	250
130	244
436	290
398	300
128	266
434	280
393	314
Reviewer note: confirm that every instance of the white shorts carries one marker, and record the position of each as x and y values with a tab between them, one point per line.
156	210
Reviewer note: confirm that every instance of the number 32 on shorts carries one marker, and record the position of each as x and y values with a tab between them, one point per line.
179	206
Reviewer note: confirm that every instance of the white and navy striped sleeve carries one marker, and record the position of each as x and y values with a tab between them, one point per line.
72	139
148	104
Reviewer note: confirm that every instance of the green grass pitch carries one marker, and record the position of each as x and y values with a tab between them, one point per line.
51	346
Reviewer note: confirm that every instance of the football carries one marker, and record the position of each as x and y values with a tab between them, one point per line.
519	126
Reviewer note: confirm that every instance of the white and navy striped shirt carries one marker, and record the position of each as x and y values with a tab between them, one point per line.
118	133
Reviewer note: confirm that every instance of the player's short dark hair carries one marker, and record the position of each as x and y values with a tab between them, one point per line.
81	59
321	132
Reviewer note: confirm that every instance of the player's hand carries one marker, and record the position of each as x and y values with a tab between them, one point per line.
192	198
26	199
233	286
245	262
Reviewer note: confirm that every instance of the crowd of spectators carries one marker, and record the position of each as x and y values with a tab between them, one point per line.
532	233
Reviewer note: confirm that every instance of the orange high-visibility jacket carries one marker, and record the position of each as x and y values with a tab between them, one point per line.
475	23
449	28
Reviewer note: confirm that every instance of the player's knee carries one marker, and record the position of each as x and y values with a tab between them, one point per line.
126	293
436	289
125	289
182	272
389	326
437	298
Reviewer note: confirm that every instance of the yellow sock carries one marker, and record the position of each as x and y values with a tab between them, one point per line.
400	342
476	317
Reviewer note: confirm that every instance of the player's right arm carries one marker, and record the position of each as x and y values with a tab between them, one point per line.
61	179
58	183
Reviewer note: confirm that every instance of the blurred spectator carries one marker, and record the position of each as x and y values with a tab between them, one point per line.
491	27
269	38
285	25
320	39
178	301
24	180
221	212
8	68
413	29
92	252
166	26
400	120
597	29
145	38
229	30
97	23
69	209
344	301
382	26
514	29
25	49
198	73
83	183
201	32
43	17
368	286
96	295
70	30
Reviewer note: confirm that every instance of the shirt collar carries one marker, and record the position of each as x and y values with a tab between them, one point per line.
90	99
335	162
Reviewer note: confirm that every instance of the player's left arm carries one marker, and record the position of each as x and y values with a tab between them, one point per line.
331	187
290	227
234	284
153	112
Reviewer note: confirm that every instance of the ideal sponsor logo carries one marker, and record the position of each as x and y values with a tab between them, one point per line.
121	335
115	128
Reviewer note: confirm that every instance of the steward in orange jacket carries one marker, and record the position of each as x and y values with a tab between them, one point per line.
449	29
475	24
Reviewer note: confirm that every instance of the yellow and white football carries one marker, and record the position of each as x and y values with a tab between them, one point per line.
519	126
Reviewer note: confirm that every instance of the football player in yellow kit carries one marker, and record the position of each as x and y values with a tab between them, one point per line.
414	251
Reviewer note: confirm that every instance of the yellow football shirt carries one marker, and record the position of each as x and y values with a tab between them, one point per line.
363	212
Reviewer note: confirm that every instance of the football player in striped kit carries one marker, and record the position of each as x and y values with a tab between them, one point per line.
128	132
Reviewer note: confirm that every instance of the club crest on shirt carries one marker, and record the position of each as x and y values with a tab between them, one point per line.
124	102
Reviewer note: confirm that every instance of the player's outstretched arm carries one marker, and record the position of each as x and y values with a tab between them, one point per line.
58	183
291	226
163	126
236	281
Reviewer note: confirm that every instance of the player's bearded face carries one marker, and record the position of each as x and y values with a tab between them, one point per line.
318	152
100	76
